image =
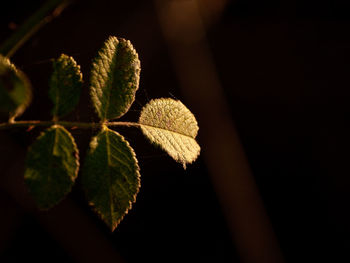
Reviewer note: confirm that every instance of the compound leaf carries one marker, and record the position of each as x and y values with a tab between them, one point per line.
169	124
52	166
111	176
15	89
114	78
65	85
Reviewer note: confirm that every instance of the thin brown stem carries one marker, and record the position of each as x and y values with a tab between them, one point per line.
79	125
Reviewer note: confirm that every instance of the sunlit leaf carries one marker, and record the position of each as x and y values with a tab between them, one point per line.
114	78
111	176
52	166
65	85
169	124
15	89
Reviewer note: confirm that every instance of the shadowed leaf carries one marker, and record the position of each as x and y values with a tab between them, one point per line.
52	166
111	176
65	85
15	89
114	78
169	124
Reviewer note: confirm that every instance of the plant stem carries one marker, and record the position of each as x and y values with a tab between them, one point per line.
45	14
80	125
123	123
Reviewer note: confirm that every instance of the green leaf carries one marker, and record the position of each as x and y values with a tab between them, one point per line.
15	89
115	78
52	166
111	176
169	124
65	85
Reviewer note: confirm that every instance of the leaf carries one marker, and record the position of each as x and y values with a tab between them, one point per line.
115	78
65	85
169	124
111	176
52	166
15	89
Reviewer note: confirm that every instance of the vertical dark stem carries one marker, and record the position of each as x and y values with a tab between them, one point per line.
45	14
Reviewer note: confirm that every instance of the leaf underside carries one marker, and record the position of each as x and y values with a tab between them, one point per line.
65	85
114	78
169	124
111	176
15	89
52	166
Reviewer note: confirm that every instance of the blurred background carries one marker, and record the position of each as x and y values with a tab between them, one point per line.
268	82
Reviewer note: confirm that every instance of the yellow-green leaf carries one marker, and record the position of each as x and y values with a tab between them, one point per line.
114	78
169	124
15	89
111	176
65	85
51	167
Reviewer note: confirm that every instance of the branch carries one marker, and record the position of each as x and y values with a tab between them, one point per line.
44	15
80	125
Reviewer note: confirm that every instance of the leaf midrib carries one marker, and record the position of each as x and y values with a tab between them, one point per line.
111	207
50	172
160	128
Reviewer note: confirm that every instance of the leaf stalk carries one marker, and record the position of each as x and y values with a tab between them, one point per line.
79	125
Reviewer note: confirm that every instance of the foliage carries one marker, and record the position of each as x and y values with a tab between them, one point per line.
52	166
111	176
169	124
115	78
110	173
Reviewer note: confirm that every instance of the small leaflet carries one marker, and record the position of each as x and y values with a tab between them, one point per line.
115	78
170	125
111	176
15	89
65	85
52	166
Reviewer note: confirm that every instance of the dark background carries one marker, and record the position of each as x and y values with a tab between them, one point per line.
283	66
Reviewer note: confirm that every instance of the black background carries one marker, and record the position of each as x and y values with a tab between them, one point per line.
284	69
